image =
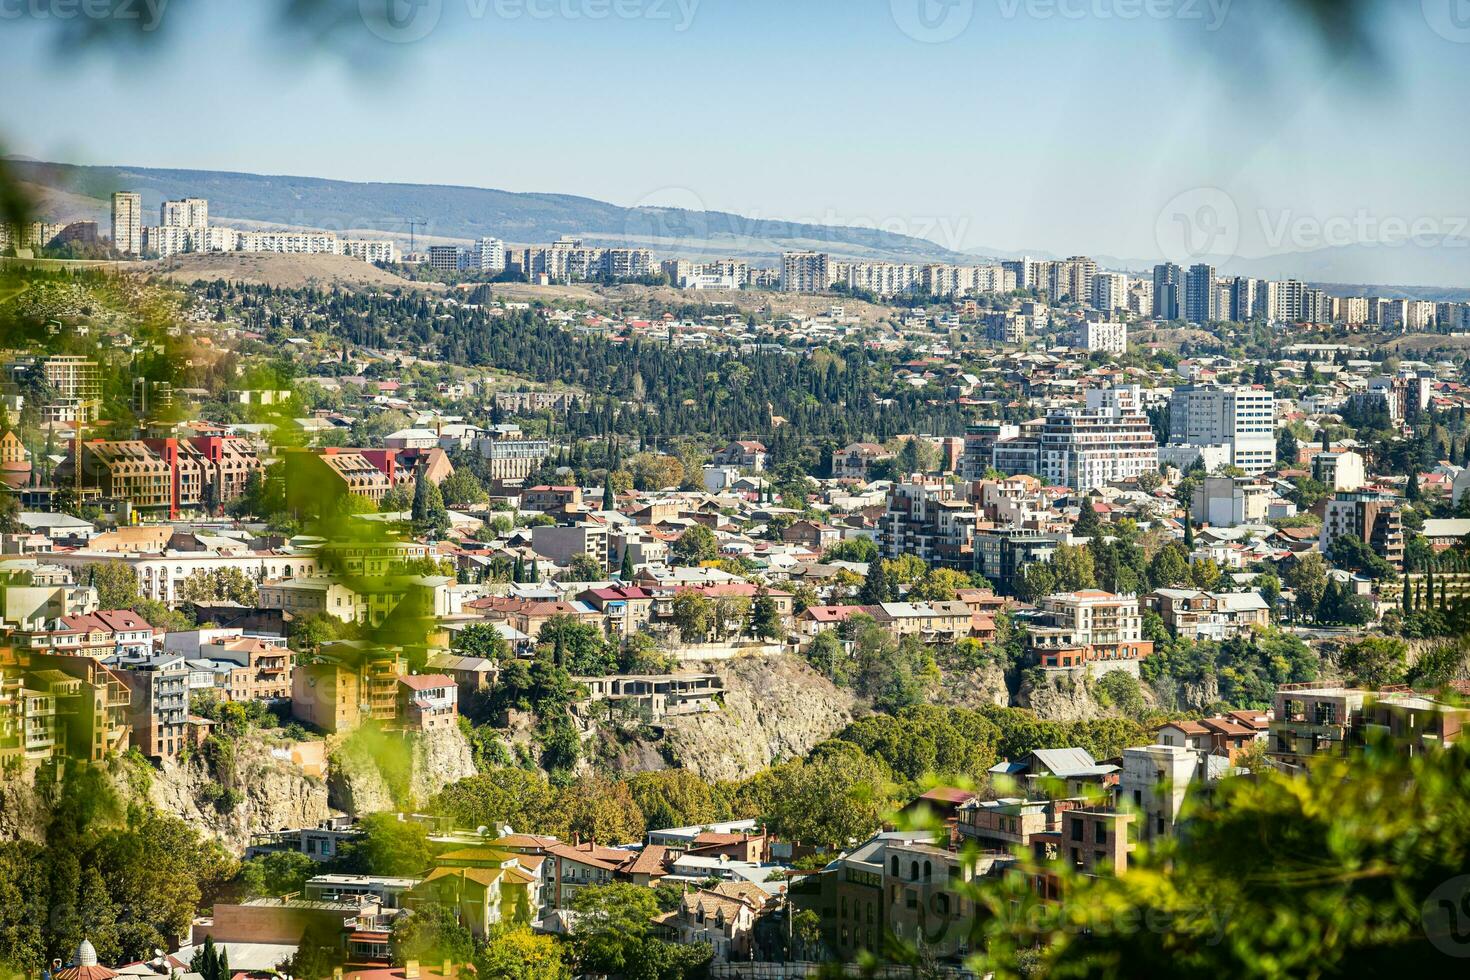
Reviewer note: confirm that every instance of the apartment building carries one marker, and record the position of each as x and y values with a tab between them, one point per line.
1240	418
315	479
806	272
427	702
1103	336
1002	553
485	255
444	258
127	222
1201	298
1373	518
1153	785
1091	629
101	634
349	683
75	381
928	518
1168	294
1209	615
1340	469
1108	441
854	461
1313	720
91	699
189	212
511	457
158	713
260	670
165	474
162	573
656	696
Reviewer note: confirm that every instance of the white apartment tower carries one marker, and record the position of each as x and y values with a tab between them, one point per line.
806	272
191	212
127	222
1240	418
1108	441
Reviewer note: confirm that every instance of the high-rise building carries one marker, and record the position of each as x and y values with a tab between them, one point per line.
1109	440
1110	291
486	255
1243	306
191	212
1240	418
1284	301
1373	518
127	222
1168	287
1103	336
444	258
806	272
1201	303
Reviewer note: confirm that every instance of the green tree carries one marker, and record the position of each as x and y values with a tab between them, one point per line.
1376	661
462	489
697	544
430	517
388	846
876	587
676	798
520	954
765	618
693	614
1307	577
519	798
431	934
116	585
584	568
480	640
276	874
835	797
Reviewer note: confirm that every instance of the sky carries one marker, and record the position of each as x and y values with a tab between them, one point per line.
1123	128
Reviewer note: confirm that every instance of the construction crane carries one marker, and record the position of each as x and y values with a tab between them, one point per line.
414	223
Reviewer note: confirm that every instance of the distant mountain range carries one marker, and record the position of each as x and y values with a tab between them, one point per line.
459	213
450	213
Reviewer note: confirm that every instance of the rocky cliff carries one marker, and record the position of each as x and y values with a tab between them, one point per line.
253	788
774	708
373	771
23	813
975	688
1055	696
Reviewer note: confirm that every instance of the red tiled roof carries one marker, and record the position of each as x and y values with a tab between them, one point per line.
426	682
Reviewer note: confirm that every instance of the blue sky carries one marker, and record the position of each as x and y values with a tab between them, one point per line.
1027	129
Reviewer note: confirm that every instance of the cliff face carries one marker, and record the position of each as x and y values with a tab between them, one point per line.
375	771
975	688
23	814
775	708
1058	697
257	790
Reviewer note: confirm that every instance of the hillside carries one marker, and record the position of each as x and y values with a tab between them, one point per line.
461	213
282	271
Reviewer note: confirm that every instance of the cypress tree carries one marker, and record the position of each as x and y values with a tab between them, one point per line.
626	572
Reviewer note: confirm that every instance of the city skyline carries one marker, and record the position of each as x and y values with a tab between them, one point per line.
1226	173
